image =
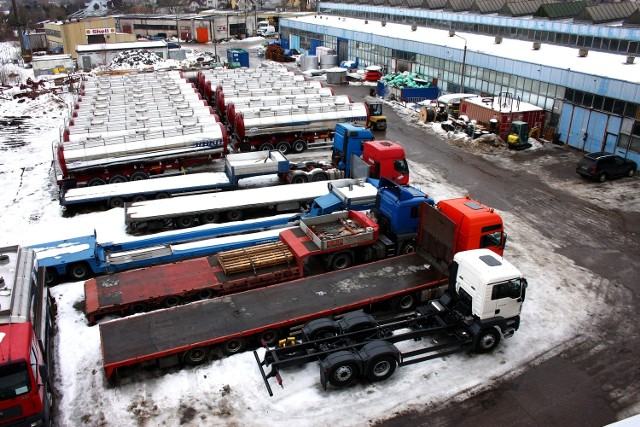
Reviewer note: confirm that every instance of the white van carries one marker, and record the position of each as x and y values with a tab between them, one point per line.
265	29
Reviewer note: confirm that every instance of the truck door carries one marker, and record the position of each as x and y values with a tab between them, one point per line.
506	299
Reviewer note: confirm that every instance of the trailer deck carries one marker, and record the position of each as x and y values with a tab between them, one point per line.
171	331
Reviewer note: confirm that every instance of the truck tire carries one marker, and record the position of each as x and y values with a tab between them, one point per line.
206	294
342	368
299	177
299	145
234	346
51	277
486	340
234	215
407	247
79	271
162	195
340	261
116	179
172	301
282	147
96	181
185	221
403	302
138	307
139	198
269	337
318	329
139	176
319	176
267	146
196	356
116	202
209	218
381	367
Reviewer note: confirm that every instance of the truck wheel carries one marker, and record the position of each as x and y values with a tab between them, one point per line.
206	294
79	271
116	202
342	369
299	145
116	179
196	356
162	195
139	198
138	307
209	218
341	260
234	346
487	340
408	247
270	337
319	176
267	146
234	215
282	147
321	328
51	277
184	221
139	176
172	301
403	302
96	181
381	368
299	177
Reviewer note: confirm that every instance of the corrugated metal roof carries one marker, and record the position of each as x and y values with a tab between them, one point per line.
397	3
488	6
458	5
607	12
560	10
434	4
415	3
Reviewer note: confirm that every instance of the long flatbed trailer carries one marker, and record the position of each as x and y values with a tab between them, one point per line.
171	332
237	166
172	336
184	211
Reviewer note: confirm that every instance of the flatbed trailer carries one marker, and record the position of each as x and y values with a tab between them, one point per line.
237	167
186	211
230	271
179	334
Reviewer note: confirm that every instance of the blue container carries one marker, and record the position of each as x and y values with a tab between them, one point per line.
240	56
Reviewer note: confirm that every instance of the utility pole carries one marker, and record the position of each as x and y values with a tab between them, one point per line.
18	26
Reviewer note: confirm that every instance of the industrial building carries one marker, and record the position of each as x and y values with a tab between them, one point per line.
590	91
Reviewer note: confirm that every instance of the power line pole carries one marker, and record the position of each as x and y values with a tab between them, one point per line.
19	26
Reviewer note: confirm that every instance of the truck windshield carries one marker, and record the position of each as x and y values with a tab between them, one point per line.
14	380
401	166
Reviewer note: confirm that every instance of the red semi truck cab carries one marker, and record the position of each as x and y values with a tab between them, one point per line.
25	328
386	159
477	226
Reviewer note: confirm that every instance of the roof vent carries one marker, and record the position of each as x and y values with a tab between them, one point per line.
366	21
414	27
383	23
536	45
583	53
630	59
498	40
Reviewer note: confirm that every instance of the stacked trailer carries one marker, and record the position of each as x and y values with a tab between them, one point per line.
131	127
243	104
204	75
295	128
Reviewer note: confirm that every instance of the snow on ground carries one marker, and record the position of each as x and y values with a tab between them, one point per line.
230	391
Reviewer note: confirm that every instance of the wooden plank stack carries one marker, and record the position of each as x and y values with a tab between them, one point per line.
254	258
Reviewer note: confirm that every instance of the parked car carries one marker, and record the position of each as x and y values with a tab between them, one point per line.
602	166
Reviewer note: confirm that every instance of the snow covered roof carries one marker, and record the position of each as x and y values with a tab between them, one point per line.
547	56
120	46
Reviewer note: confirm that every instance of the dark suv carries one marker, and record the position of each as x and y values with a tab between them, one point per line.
602	166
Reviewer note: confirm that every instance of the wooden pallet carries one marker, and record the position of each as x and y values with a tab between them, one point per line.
254	258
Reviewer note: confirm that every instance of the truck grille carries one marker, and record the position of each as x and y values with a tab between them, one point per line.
12	412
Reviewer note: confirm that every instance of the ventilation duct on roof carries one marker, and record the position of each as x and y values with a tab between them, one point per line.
630	59
536	45
583	53
498	40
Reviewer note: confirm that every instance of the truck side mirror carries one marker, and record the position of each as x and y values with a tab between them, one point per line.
44	373
503	242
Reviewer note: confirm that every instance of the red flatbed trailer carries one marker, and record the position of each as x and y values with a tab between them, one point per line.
187	333
172	332
135	291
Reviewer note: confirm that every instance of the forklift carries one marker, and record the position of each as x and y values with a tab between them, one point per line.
377	121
